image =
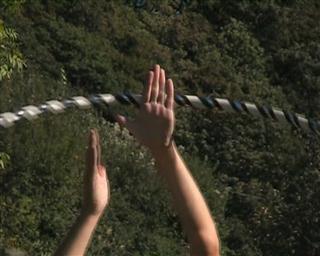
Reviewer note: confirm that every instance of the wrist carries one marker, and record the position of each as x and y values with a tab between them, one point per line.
163	152
88	220
84	213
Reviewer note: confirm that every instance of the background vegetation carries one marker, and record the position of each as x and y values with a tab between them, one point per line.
261	180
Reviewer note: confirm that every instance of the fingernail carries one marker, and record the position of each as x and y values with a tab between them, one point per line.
91	135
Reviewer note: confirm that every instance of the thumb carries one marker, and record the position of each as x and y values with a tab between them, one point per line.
125	123
121	120
102	171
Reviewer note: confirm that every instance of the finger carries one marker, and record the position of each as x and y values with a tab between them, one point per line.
102	171
91	151
169	103
148	87
155	84
95	148
162	84
104	174
125	123
98	146
121	120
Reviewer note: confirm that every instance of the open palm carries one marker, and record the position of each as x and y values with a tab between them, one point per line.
154	124
96	194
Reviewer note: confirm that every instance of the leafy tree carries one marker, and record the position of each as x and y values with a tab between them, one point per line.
10	56
260	178
4	159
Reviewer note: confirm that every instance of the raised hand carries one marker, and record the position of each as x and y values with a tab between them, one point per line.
154	124
96	190
96	195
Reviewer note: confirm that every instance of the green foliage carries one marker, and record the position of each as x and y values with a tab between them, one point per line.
10	56
11	5
4	160
261	180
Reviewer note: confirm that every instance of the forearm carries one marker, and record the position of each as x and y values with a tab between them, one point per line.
78	238
188	200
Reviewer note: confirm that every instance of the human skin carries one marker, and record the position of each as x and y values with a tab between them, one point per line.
96	196
153	128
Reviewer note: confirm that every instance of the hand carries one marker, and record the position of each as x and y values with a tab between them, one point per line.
96	189
154	125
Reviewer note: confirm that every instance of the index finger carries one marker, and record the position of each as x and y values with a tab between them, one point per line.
147	89
98	148
169	103
91	152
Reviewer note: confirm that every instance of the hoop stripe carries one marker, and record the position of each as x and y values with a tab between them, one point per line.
31	112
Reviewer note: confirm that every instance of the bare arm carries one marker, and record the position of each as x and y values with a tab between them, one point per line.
96	196
189	202
154	127
79	236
